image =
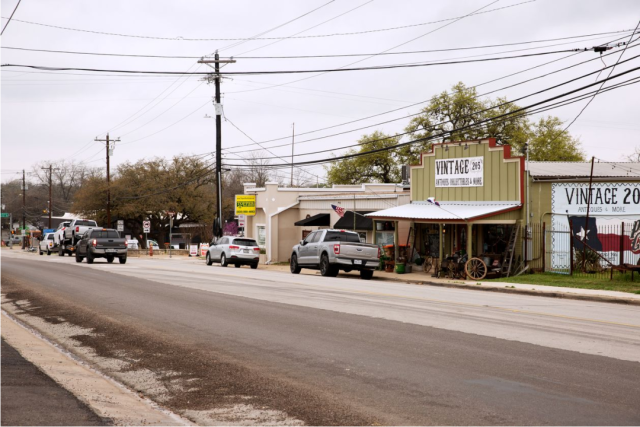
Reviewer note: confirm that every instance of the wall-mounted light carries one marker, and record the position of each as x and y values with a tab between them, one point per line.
466	146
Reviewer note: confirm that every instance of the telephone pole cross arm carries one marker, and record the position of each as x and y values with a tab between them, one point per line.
217	228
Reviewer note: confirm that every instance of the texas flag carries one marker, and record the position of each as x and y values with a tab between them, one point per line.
340	211
433	200
590	234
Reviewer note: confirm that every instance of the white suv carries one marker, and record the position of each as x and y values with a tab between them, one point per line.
234	250
46	244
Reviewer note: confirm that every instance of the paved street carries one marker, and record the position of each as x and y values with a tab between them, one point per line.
344	351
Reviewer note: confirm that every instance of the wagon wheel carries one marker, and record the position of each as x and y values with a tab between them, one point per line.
426	266
476	269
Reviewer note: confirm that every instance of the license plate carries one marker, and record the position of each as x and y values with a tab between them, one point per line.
246	251
110	250
357	261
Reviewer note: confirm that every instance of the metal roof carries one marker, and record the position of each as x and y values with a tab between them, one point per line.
448	211
583	170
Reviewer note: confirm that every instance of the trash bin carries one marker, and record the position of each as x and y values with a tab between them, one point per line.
400	268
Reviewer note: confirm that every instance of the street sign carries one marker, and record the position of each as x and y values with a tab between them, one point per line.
120	225
146	226
245	204
242	220
4	215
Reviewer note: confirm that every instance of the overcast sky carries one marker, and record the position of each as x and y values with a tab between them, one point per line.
51	115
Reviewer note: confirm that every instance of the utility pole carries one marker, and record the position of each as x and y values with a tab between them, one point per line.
293	139
50	169
217	226
586	225
24	209
110	145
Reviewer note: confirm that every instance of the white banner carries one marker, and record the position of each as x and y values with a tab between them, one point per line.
204	248
461	172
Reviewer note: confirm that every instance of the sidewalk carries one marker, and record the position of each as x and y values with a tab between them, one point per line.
420	278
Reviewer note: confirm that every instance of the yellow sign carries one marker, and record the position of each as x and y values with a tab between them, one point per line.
245	205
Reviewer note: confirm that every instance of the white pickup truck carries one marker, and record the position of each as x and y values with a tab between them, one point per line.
333	250
73	233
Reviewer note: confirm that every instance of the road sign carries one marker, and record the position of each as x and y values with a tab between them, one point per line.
120	225
146	226
245	204
4	215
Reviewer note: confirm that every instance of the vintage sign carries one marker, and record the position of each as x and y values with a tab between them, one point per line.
610	204
460	172
635	237
245	204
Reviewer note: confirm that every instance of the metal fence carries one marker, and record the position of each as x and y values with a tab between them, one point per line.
574	249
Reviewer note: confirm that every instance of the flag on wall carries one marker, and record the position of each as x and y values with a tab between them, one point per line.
433	201
339	210
590	234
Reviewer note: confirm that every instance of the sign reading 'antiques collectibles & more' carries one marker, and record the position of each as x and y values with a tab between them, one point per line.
461	172
245	205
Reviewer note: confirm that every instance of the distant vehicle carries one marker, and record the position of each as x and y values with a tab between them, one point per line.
58	235
153	244
13	240
46	244
238	251
72	234
101	243
333	250
133	244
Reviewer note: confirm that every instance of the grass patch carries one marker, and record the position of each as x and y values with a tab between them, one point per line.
620	282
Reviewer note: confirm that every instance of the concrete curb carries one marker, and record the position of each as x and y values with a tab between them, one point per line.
553	294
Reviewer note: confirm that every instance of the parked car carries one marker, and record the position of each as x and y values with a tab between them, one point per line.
133	244
333	250
58	235
15	240
72	234
101	243
46	244
238	251
153	244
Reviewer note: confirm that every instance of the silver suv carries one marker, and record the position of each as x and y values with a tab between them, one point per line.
238	251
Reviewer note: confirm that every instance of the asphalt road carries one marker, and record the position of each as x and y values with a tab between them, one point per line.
30	398
343	351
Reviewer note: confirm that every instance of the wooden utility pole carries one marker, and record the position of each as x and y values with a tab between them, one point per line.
109	152
24	209
586	225
293	139
217	227
50	207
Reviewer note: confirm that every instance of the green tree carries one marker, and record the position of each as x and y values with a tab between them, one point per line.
377	167
548	141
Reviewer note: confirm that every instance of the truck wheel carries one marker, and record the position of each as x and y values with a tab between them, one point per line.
223	260
254	266
78	258
366	274
110	259
40	252
209	260
89	258
123	260
293	265
327	269
60	251
48	252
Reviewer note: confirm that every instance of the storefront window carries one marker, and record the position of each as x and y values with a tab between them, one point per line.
495	238
384	238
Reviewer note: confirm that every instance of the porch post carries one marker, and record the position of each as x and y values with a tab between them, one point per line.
440	242
375	240
395	241
469	240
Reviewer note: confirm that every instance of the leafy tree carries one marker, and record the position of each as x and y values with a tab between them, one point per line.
377	167
548	141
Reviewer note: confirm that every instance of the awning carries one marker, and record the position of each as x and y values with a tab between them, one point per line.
319	220
346	222
446	212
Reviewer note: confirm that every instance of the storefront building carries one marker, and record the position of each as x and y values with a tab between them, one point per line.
476	199
284	215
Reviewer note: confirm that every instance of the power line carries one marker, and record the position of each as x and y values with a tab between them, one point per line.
415	52
442	134
264	38
266	72
9	20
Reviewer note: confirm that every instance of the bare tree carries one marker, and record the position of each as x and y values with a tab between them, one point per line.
635	156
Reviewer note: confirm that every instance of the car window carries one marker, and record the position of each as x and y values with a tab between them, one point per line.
49	236
310	237
339	236
108	234
223	241
317	237
245	242
86	223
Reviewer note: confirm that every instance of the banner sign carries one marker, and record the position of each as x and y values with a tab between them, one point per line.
610	204
193	250
204	248
461	172
245	204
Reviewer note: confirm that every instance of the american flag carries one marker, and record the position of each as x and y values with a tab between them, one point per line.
340	211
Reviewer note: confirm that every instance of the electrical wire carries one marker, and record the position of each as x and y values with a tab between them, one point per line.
266	38
9	20
124	55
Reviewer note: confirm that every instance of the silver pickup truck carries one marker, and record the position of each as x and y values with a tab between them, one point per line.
333	250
